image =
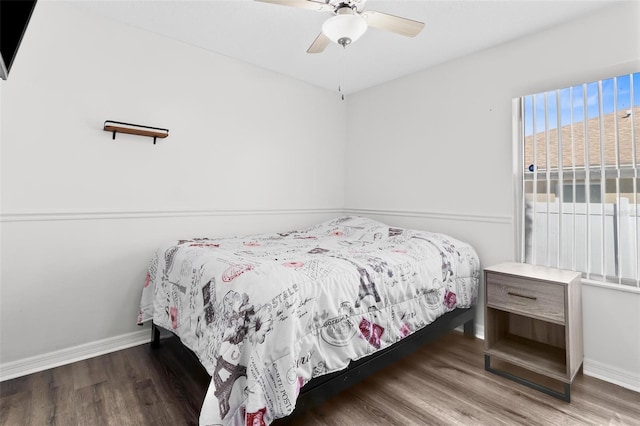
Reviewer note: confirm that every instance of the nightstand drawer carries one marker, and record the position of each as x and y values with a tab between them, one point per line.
528	297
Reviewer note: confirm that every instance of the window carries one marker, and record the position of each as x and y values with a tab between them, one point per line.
579	154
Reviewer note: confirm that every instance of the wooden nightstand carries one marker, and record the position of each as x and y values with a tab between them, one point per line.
533	319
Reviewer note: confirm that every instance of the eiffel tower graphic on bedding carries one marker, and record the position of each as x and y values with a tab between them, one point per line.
367	285
223	388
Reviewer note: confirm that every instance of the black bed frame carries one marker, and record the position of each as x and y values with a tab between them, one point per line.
321	388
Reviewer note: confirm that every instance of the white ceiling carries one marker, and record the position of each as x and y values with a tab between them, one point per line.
276	37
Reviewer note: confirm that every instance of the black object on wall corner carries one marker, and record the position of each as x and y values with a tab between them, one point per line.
14	18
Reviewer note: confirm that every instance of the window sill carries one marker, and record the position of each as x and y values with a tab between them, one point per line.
617	287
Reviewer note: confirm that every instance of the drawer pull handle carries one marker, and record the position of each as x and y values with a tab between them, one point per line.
521	295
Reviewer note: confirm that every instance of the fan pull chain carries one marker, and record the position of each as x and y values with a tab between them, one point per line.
342	72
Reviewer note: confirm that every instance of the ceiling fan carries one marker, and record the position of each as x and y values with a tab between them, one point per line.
350	21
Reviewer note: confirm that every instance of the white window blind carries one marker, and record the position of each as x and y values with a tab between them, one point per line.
580	182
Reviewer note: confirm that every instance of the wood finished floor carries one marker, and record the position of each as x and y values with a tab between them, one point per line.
442	384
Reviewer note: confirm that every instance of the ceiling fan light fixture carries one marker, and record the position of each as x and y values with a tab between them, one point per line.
344	28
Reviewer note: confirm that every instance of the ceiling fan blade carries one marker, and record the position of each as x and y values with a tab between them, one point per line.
319	44
303	4
395	24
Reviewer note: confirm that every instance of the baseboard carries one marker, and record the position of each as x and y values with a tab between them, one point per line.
11	370
478	333
626	379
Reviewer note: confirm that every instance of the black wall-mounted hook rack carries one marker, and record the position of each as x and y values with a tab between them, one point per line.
135	129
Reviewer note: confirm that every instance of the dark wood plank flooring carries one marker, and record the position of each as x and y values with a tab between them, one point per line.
442	384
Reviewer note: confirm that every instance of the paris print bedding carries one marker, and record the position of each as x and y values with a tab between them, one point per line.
266	313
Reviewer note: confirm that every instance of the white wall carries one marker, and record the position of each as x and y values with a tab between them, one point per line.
434	150
82	213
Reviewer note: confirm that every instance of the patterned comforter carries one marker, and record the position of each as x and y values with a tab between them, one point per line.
266	313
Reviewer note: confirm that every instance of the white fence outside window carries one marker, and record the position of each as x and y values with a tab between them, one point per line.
572	250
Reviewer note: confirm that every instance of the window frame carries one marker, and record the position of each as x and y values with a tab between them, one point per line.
519	181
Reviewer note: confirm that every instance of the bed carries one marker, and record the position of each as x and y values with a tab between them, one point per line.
281	321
